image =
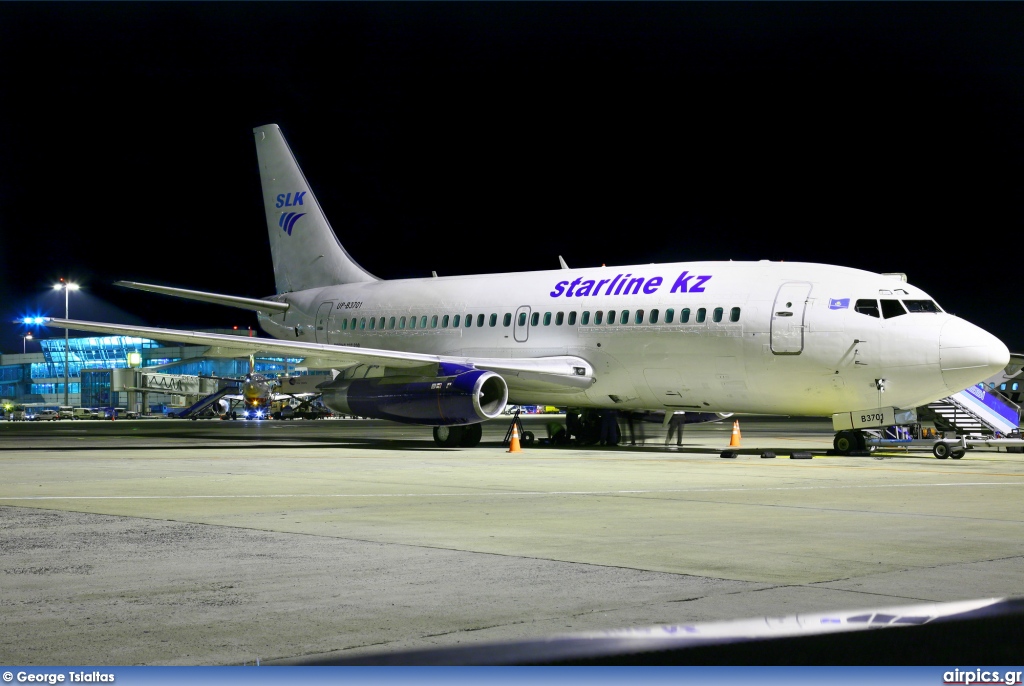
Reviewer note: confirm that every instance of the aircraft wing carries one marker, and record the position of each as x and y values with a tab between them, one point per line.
566	374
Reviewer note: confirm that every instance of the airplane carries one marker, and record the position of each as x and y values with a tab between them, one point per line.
753	337
258	392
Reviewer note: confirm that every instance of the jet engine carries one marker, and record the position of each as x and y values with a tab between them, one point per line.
457	395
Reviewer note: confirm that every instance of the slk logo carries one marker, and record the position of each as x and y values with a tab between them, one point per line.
288	219
839	303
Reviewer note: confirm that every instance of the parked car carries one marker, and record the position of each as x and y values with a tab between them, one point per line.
129	414
66	413
82	413
45	416
16	414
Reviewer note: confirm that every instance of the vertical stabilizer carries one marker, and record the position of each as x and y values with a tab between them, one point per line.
306	252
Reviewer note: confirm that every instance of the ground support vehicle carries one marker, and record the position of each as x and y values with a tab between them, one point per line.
942	448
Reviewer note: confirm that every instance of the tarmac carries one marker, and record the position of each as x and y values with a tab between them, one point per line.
171	542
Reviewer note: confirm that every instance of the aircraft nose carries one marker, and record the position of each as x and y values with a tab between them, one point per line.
968	354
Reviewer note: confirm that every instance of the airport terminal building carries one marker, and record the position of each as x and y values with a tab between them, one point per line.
124	372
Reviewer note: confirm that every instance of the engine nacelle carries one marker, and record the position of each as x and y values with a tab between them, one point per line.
458	395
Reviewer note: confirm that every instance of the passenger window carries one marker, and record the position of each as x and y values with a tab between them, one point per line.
534	318
344	324
611	317
380	323
572	318
921	306
654	316
547	319
522	319
734	314
469	320
559	318
412	322
455	321
506	321
492	320
353	323
684	315
624	317
868	307
702	314
597	316
892	308
717	314
669	315
638	318
372	323
391	323
444	322
585	318
362	323
401	323
423	322
433	322
479	320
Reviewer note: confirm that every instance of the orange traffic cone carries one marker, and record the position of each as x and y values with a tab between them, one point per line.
513	446
734	442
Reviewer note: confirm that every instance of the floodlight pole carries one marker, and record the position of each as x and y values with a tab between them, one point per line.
67	350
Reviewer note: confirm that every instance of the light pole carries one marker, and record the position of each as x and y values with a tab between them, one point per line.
66	286
24	339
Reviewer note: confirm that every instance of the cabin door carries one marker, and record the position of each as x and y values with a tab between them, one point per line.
521	325
323	315
788	318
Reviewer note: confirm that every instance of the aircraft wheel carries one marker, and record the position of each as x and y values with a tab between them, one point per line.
471	436
448	436
845	442
941	450
956	453
527	438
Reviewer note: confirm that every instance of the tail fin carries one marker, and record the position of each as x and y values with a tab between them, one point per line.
306	252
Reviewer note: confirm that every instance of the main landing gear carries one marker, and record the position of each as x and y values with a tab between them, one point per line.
847	442
458	436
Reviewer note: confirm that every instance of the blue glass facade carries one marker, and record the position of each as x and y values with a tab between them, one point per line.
94	352
42	383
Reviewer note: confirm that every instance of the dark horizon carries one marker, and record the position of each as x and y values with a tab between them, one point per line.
487	137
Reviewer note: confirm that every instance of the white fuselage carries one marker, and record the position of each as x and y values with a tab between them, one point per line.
756	337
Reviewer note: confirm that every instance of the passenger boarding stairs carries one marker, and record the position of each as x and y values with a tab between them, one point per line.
974	410
206	403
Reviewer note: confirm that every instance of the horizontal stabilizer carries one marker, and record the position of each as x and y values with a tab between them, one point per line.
215	298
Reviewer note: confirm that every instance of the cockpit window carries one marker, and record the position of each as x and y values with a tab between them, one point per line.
892	308
921	306
868	307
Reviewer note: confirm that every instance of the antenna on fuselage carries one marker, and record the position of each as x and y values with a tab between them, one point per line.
561	261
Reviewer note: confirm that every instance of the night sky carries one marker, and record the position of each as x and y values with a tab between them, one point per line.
888	137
